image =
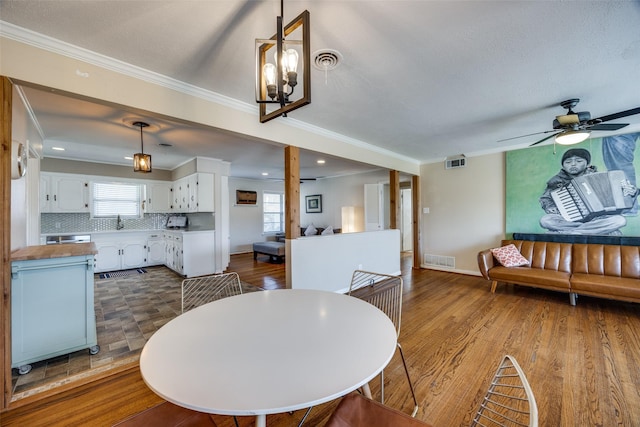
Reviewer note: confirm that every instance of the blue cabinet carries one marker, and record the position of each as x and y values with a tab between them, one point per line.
52	309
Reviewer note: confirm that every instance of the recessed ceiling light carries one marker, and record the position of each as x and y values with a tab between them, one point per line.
265	173
57	148
320	162
128	158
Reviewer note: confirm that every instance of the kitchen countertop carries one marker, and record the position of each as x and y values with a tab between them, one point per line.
53	251
127	230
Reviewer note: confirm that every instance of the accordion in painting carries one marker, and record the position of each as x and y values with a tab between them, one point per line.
592	195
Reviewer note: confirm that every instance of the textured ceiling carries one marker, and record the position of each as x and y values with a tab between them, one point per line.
424	79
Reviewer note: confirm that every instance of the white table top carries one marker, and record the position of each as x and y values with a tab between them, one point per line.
268	352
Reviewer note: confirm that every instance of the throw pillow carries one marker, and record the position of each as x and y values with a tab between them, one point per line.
326	231
310	231
509	256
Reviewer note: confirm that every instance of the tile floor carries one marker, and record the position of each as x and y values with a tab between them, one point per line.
128	311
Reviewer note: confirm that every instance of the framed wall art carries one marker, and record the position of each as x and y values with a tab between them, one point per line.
314	203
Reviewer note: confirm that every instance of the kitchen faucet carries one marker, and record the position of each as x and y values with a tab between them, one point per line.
119	224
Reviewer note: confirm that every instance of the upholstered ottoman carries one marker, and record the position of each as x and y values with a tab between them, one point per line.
275	250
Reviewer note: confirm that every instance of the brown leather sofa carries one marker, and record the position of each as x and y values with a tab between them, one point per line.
606	271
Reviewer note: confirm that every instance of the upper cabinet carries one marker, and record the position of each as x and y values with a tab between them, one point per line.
158	197
194	193
63	193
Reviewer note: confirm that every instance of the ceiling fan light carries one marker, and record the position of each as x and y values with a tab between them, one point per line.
571	137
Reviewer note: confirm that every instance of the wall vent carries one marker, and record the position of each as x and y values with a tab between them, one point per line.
440	261
455	162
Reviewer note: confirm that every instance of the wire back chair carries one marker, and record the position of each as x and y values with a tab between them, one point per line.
201	290
385	292
509	400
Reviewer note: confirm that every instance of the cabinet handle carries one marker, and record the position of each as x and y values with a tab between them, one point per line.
47	197
55	199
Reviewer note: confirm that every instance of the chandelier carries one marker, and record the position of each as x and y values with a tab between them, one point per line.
276	81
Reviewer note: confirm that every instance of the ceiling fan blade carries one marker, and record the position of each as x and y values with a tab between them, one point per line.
619	115
544	139
522	136
608	126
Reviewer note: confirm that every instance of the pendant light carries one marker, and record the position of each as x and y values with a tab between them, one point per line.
141	161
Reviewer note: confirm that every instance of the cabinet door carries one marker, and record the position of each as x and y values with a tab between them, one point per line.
134	255
180	195
155	252
204	192
71	194
108	257
46	195
158	197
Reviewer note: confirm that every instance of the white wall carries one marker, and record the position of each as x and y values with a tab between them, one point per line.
466	209
246	220
336	193
23	130
327	262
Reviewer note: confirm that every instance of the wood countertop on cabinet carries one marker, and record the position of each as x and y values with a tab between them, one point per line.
54	251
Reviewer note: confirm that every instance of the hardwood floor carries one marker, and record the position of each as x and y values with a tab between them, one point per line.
582	362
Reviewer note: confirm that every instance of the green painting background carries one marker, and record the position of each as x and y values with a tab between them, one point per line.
527	173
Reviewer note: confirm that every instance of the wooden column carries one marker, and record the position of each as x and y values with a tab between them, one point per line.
5	235
415	220
394	200
292	192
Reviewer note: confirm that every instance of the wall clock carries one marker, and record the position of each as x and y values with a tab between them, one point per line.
18	160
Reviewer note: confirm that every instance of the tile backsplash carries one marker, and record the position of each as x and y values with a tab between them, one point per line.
83	223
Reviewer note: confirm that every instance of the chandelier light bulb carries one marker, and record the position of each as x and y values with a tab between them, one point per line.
269	75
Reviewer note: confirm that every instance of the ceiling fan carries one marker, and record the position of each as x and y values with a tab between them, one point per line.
572	127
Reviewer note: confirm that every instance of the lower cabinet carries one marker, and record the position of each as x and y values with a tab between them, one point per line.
191	253
188	253
124	254
52	309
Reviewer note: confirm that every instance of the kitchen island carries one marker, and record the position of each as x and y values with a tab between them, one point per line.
52	307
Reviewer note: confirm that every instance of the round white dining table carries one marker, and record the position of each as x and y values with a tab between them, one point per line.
268	352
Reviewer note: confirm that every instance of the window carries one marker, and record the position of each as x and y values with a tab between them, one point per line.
112	199
272	212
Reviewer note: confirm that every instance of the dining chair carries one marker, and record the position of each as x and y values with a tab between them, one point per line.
201	290
167	414
509	399
355	410
385	292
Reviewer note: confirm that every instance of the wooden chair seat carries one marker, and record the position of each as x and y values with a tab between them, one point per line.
167	414
355	410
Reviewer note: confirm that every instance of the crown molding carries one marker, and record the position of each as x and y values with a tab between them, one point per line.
32	38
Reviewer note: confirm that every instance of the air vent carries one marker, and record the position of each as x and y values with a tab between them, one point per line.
455	162
326	59
440	261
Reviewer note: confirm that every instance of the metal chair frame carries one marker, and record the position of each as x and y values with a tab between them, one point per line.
202	290
385	292
509	400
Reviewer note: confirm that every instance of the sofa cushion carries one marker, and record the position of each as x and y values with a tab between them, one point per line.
509	256
545	255
606	286
537	277
607	260
310	230
327	231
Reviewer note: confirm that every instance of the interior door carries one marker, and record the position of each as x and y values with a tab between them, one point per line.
373	207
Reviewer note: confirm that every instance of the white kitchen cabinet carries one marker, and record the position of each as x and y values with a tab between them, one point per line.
158	197
200	188
194	193
63	193
156	249
120	252
191	253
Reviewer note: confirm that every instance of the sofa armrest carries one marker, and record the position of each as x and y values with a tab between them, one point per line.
485	262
